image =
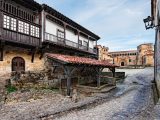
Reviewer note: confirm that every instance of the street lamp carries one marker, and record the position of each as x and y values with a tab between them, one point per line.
149	22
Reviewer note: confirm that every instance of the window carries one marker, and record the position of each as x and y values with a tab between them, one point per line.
6	23
20	26
26	28
23	27
13	24
130	60
34	31
37	32
80	43
60	35
9	23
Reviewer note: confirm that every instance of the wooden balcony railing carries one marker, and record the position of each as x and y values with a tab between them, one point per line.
16	37
69	43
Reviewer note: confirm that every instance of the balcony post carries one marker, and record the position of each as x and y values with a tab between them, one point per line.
64	25
1	23
78	39
2	44
88	44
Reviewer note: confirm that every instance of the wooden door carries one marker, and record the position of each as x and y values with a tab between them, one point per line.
18	64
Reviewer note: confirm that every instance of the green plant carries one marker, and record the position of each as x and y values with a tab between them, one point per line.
11	89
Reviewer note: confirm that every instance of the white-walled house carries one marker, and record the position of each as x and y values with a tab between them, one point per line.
59	30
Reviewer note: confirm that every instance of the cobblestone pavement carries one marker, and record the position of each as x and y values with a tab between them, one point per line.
133	101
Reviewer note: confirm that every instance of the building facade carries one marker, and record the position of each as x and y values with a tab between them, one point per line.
155	18
28	31
103	53
124	58
20	36
143	56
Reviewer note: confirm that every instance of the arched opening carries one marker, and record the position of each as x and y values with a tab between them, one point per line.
18	64
122	63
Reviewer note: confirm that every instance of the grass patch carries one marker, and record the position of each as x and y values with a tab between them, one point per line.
54	89
11	89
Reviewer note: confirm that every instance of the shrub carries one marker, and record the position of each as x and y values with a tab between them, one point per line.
11	89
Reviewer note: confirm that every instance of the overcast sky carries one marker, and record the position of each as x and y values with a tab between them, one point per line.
119	23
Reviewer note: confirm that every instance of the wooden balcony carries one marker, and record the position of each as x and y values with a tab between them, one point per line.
68	43
16	37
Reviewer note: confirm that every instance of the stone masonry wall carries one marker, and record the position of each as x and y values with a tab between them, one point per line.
10	53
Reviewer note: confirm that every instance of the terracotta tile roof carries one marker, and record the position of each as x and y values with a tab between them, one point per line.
79	60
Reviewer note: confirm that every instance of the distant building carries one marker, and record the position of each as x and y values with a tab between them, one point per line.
124	58
103	53
143	56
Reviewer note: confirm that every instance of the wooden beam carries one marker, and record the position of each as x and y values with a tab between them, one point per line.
69	71
33	54
113	70
2	44
54	69
99	71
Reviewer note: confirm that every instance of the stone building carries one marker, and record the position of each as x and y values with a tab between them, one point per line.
103	53
20	36
124	58
143	56
36	37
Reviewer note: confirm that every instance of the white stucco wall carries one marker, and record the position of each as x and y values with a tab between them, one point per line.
70	35
92	44
83	39
52	27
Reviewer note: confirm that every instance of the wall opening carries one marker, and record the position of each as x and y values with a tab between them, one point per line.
18	64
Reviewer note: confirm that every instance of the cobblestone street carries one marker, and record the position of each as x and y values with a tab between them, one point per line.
133	100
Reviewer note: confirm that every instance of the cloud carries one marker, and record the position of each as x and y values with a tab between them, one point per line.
118	23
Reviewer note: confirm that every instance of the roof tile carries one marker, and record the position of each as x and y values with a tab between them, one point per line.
79	60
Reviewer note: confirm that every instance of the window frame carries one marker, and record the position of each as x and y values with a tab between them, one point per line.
60	35
9	23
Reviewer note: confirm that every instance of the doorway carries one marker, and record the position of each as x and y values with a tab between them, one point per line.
18	64
122	63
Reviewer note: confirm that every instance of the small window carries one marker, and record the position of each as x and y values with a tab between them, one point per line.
130	60
37	32
9	23
6	23
34	31
21	26
26	28
60	35
13	24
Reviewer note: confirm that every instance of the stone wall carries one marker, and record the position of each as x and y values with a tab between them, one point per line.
128	60
10	53
145	55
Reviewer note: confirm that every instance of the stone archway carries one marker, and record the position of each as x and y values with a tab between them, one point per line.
18	64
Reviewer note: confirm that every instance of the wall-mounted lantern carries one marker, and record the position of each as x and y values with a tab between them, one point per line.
149	22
